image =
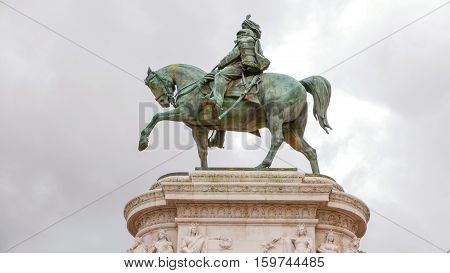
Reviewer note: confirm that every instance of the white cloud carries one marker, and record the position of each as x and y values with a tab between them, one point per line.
71	120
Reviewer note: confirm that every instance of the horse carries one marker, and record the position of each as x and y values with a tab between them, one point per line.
282	109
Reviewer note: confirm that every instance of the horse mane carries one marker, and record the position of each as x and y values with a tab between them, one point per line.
169	71
185	66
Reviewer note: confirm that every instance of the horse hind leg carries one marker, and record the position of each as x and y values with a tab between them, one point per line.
297	142
276	130
217	140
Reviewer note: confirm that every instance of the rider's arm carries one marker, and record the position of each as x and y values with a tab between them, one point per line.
231	57
258	47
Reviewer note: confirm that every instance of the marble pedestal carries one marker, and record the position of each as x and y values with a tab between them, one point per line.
246	211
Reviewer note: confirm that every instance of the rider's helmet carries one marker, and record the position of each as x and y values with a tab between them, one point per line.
249	24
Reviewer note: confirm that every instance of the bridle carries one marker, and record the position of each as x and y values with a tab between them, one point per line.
168	85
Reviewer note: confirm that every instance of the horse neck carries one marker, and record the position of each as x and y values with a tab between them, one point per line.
182	74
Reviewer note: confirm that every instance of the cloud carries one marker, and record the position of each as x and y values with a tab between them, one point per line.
70	121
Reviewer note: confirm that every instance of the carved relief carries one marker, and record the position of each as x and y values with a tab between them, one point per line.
225	242
353	246
156	217
162	245
194	242
337	219
139	246
270	245
197	243
301	243
246	211
329	245
229	206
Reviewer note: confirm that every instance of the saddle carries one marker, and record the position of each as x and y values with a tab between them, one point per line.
237	87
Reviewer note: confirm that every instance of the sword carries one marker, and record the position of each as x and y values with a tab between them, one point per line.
254	81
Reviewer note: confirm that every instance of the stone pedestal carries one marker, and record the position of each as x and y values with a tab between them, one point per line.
246	211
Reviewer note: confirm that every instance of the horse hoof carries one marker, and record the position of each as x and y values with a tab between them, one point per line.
263	166
143	144
212	144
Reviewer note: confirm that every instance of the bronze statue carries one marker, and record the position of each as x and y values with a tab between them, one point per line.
246	58
269	100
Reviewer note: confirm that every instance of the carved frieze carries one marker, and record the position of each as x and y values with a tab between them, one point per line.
244	187
334	218
152	195
246	211
155	217
352	201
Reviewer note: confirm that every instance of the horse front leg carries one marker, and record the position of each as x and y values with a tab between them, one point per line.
173	115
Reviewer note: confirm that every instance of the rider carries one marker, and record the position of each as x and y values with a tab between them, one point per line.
246	58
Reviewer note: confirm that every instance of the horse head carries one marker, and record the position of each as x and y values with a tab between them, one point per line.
161	87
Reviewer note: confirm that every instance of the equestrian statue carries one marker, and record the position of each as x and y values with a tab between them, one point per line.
237	96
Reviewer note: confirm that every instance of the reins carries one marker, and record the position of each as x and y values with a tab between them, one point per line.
187	89
171	97
169	91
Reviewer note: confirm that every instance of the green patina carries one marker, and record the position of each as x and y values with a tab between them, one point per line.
200	100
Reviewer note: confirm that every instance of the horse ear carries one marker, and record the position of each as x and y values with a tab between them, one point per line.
149	70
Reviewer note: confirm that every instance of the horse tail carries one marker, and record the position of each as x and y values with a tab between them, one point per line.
320	89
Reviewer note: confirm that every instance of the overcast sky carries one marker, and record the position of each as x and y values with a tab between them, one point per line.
70	121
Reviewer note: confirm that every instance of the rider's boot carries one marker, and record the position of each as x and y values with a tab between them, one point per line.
220	83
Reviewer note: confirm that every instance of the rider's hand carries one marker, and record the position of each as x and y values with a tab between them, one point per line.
209	76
